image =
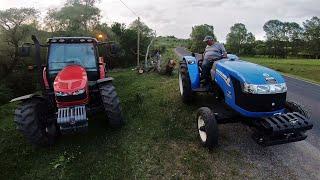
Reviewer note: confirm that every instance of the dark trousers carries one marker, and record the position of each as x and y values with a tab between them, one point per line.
206	67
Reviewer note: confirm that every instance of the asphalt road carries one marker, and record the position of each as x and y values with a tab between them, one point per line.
298	160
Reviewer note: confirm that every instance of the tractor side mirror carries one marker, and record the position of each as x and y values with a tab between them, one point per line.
24	51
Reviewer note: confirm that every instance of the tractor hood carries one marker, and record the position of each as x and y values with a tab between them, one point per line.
249	72
71	80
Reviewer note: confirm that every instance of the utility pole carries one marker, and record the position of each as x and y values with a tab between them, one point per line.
147	54
138	44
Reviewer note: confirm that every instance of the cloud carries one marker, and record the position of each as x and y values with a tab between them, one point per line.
176	17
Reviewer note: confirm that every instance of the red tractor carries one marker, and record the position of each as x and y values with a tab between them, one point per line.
73	85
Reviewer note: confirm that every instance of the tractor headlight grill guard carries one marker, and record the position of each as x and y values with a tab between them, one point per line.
264	88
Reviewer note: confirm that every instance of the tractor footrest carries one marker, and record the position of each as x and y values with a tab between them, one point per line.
72	119
280	129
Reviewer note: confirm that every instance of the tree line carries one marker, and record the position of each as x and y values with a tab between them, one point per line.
283	39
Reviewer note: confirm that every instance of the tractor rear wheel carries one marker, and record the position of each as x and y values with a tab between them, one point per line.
111	105
294	107
207	127
31	118
185	83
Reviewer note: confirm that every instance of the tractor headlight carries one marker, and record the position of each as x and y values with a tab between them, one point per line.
78	92
81	91
61	94
265	88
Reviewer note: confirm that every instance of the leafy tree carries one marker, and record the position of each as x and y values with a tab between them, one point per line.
15	25
239	40
76	18
292	38
248	48
127	38
260	48
198	34
283	38
275	32
312	36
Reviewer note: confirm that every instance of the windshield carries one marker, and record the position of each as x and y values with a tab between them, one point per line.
62	55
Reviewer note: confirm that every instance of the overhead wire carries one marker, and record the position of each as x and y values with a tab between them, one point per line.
132	11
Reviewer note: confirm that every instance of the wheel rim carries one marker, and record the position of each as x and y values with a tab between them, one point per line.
180	84
202	133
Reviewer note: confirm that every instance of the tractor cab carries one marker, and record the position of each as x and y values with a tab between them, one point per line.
66	51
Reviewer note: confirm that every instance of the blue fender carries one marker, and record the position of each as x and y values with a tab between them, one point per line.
193	70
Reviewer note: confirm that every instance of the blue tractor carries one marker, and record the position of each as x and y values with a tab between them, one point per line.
249	93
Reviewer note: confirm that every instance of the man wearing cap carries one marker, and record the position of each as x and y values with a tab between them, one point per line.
213	52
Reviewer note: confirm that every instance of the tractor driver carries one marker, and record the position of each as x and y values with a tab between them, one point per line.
213	52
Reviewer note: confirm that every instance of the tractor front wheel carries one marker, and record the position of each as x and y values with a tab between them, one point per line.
207	127
185	83
111	105
31	118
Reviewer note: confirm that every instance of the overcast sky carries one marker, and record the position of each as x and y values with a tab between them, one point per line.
176	17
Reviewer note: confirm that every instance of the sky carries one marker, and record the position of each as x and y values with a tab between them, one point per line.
177	17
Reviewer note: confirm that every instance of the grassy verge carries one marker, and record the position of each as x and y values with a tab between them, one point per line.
304	68
158	142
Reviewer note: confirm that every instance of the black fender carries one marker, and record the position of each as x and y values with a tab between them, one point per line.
27	97
104	80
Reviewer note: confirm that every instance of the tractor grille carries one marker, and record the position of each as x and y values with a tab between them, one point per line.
258	102
72	119
71	98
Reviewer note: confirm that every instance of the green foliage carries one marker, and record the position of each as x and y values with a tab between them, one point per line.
239	40
127	38
76	18
5	94
283	38
15	25
312	36
197	35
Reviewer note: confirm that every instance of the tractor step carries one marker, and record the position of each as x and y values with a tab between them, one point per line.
202	89
72	119
281	129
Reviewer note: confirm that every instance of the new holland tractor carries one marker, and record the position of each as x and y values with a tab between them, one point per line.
73	84
247	93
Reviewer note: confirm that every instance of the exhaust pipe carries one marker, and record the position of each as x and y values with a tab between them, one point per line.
38	61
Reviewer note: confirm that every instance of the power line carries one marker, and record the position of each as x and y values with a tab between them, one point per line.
129	8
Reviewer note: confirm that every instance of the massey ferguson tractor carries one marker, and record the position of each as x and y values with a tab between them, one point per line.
247	93
73	84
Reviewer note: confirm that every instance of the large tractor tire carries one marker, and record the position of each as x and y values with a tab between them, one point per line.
207	127
294	107
111	105
185	83
31	118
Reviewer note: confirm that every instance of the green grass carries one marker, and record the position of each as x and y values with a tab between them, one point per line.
304	68
158	142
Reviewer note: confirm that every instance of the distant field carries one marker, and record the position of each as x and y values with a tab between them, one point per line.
304	68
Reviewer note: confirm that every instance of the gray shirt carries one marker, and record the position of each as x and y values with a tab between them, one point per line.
214	51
